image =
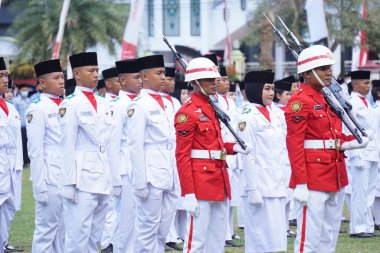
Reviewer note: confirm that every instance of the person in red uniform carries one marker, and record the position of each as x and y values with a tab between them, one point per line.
315	144
201	161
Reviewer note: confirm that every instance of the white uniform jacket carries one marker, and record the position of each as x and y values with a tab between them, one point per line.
263	167
85	139
150	136
11	160
44	136
119	155
367	118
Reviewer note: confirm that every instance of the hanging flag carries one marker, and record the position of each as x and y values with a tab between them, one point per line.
316	21
227	55
131	32
359	50
61	29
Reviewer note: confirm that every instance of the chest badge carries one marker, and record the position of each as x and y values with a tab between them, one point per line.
242	125
29	117
62	112
182	118
296	106
130	112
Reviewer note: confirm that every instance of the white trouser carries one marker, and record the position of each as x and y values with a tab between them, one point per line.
230	222
376	210
84	222
173	234
318	223
289	207
49	232
207	232
124	234
363	195
180	223
112	218
7	213
153	219
348	201
265	226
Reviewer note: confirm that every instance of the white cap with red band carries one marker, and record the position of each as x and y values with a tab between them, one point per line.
201	68
314	57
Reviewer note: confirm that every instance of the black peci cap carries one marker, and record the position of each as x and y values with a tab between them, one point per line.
283	85
127	66
47	67
2	64
258	76
232	88
109	73
290	79
151	61
360	74
101	84
83	59
223	71
212	57
170	72
181	85
376	83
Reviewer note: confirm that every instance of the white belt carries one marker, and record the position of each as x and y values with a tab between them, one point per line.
209	154
8	151
322	144
96	148
159	146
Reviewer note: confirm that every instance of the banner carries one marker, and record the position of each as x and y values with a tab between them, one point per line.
61	29
316	20
359	50
131	32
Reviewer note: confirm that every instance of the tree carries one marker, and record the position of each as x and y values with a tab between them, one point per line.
88	22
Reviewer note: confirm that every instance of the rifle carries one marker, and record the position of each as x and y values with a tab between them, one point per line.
333	94
220	114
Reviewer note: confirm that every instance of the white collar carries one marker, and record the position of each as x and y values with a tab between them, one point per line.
85	89
50	95
149	91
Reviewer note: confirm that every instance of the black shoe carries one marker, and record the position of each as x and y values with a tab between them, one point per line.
361	235
174	245
167	248
11	248
377	227
109	249
231	243
293	223
241	228
374	235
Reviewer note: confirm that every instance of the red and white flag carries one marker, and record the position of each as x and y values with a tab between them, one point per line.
359	50
227	55
61	29
131	32
316	21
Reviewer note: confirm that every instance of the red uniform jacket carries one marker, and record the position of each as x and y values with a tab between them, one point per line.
309	118
198	128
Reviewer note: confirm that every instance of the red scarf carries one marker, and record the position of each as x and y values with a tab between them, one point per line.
225	98
159	100
170	99
56	100
132	96
91	97
4	106
364	101
265	112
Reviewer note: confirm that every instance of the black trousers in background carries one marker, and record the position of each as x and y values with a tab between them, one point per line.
24	145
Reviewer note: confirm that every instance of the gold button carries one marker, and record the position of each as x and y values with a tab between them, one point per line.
336	131
206	128
318	159
204	168
320	115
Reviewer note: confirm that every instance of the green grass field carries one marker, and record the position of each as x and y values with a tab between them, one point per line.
23	226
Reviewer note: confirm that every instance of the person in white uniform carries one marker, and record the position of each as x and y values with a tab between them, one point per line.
363	162
44	136
119	154
85	121
265	183
11	159
150	135
112	82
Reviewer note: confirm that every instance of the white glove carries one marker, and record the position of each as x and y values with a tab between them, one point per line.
142	193
116	191
69	192
354	144
239	149
190	204
301	194
41	197
255	198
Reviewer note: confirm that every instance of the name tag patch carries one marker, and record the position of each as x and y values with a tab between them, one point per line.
318	107
156	112
89	113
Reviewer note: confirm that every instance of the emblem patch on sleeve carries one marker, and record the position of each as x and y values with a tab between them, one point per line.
242	125
182	118
297	119
62	112
130	112
29	117
296	106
